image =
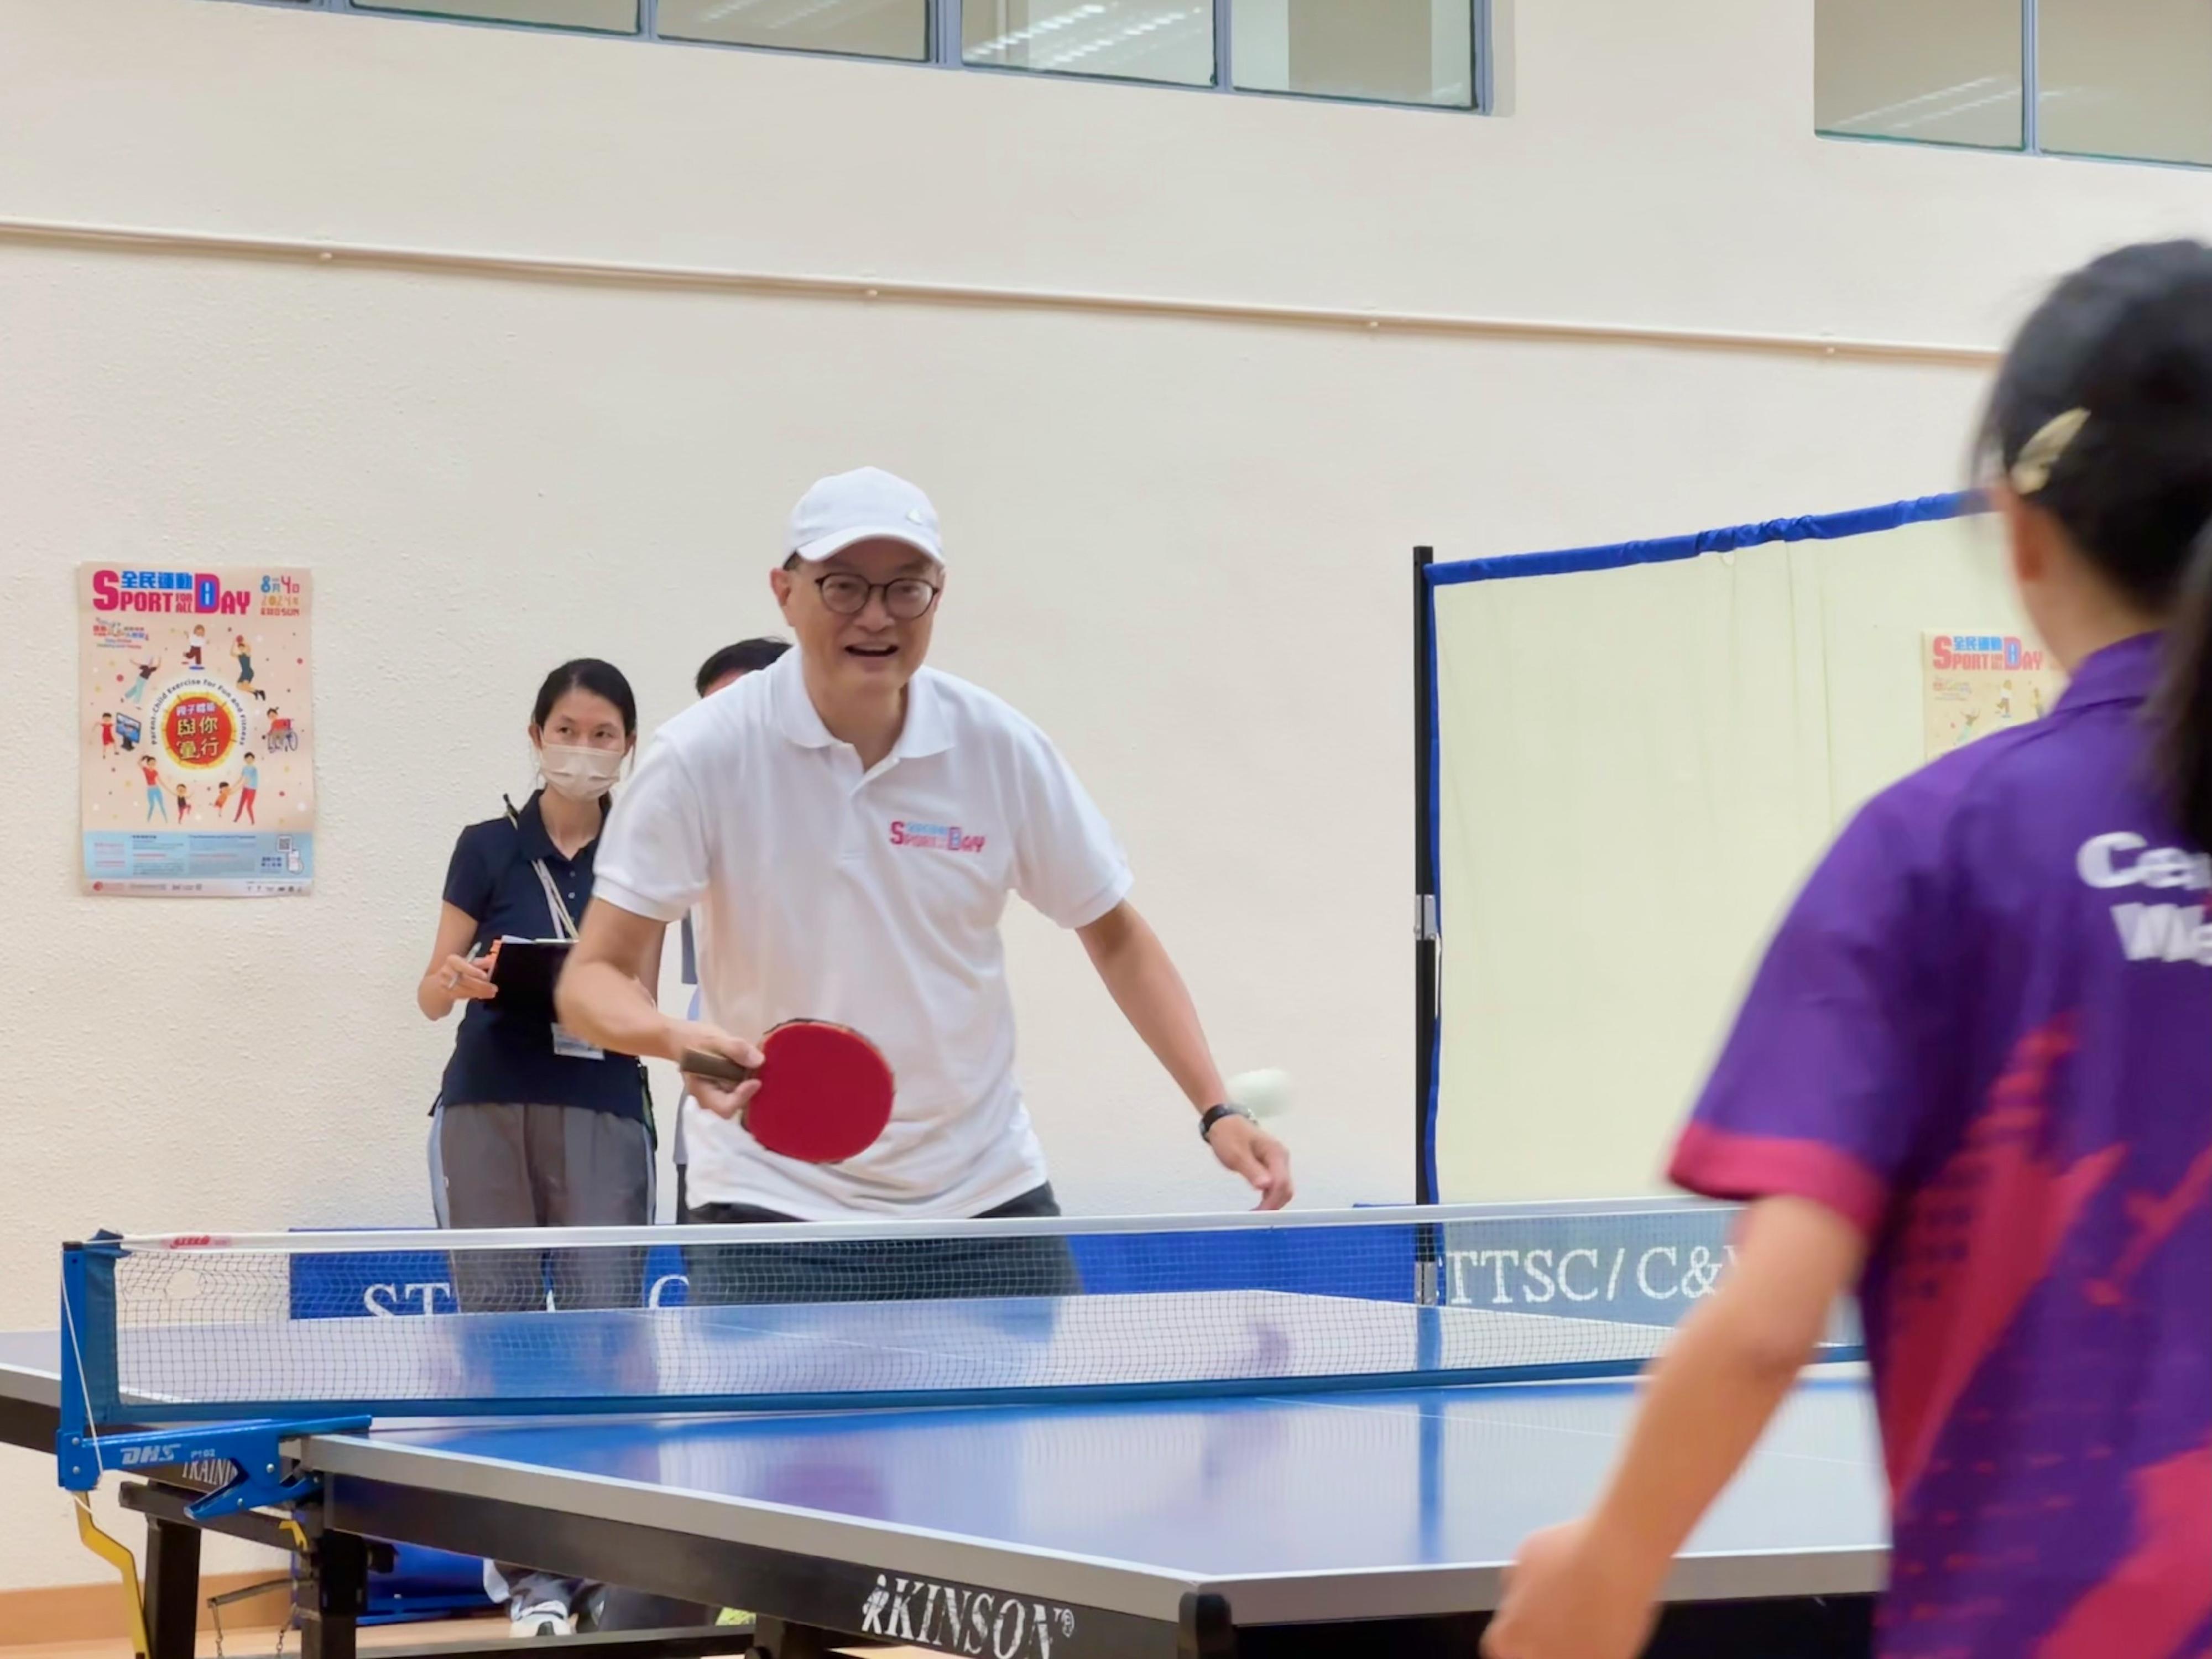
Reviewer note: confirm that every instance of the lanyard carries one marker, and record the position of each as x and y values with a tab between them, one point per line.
564	924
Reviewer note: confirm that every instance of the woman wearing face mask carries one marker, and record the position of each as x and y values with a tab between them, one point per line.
532	1127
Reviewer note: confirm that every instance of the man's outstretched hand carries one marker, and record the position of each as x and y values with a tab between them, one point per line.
1244	1148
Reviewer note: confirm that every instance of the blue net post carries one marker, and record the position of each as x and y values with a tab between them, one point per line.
92	1395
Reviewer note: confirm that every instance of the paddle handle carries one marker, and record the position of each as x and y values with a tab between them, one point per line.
699	1062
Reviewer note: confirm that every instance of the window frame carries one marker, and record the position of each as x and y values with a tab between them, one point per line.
2031	115
946	51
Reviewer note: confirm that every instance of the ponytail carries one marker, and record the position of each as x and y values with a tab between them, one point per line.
2102	418
2183	702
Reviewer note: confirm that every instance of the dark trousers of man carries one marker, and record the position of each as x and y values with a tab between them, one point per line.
851	1270
877	1269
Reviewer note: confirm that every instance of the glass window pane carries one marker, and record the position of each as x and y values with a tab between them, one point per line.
865	29
1941	71
1401	52
1134	39
608	16
2130	78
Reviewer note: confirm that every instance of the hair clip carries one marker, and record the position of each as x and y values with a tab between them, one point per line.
2040	455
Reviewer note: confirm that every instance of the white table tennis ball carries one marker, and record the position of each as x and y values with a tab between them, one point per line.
1263	1094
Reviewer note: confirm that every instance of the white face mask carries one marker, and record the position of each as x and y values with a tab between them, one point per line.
580	774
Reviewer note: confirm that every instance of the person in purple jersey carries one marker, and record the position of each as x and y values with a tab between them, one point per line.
1974	1076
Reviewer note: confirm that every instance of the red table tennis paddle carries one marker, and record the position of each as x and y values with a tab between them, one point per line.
825	1092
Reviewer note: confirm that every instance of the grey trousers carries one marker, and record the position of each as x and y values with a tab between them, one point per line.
541	1166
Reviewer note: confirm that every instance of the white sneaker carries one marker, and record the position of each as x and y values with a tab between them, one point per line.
544	1619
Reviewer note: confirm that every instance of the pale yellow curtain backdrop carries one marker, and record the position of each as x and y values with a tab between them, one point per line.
1637	767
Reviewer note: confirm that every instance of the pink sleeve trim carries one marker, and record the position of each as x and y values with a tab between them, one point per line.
1720	1164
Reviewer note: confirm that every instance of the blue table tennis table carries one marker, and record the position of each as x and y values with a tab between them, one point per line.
959	1510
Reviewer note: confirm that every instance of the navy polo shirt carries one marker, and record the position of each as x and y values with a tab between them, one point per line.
502	1056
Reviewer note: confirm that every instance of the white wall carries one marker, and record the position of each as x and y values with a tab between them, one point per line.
1181	544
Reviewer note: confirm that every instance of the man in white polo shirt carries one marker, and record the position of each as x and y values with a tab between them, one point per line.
848	824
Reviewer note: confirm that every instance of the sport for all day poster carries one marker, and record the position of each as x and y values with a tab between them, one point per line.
1977	684
198	775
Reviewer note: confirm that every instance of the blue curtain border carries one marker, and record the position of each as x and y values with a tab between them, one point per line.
1825	527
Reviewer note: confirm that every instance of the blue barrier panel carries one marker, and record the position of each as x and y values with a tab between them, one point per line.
1644	1267
1631	1266
1375	1263
400	1283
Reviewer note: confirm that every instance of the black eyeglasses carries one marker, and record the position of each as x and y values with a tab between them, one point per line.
907	600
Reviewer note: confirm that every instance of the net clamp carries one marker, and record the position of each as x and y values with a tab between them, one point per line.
242	1464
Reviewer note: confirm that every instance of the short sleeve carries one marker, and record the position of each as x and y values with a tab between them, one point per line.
469	875
654	858
1066	862
1827	1082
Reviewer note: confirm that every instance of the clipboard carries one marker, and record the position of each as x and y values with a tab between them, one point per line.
525	970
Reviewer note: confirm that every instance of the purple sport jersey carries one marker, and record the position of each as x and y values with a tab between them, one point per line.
1985	1036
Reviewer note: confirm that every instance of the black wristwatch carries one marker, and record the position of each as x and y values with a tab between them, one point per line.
1213	1115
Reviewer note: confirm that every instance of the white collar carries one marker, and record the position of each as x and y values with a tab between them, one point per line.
925	730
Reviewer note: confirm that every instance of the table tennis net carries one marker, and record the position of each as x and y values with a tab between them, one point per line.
721	1318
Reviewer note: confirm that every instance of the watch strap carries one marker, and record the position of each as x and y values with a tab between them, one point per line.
1213	1115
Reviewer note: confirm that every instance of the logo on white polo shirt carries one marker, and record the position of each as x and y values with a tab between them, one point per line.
934	837
2152	932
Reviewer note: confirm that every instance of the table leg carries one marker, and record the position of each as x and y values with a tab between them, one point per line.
335	1596
172	1589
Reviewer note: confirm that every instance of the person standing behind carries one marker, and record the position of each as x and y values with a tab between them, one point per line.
249	786
724	669
532	1126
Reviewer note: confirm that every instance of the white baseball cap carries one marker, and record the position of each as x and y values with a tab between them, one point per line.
865	505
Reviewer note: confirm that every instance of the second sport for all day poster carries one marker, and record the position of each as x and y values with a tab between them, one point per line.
1977	684
198	773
